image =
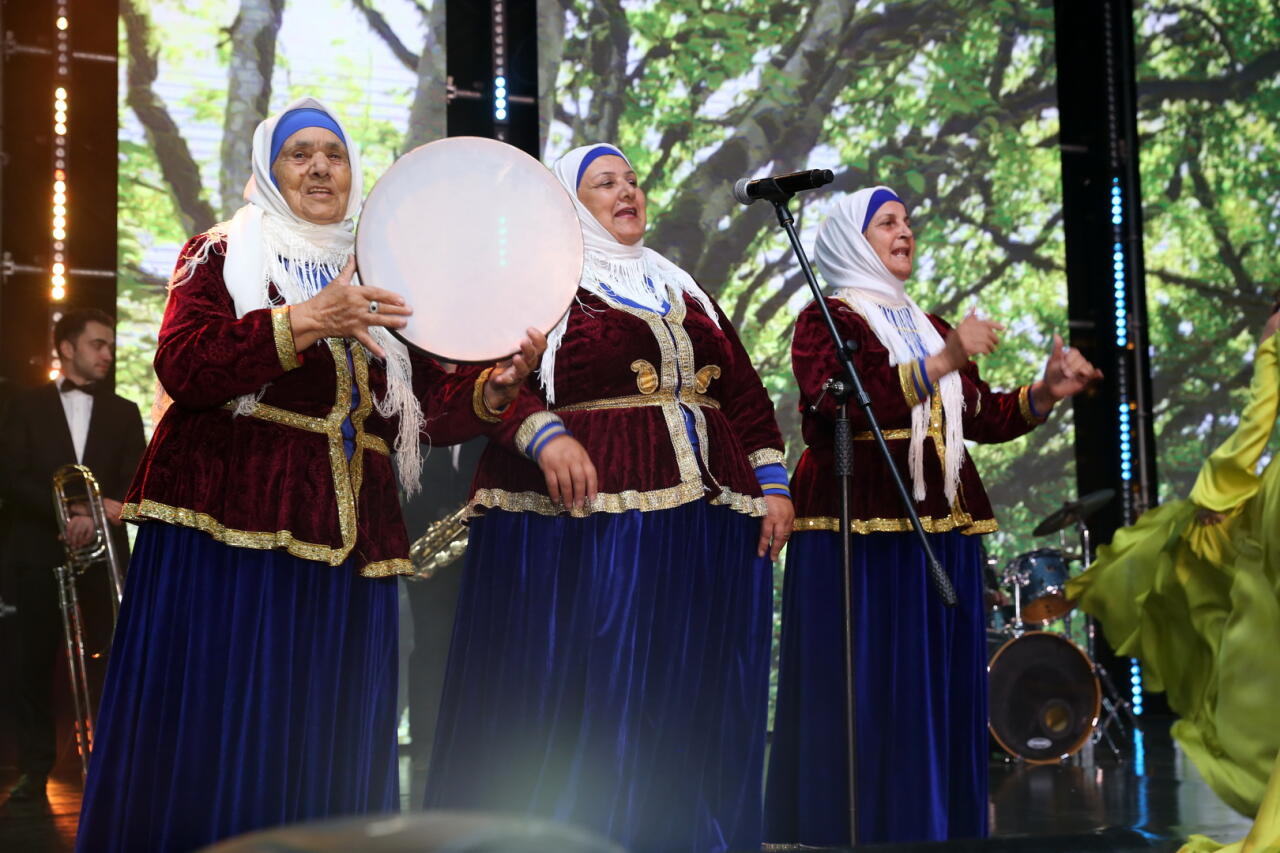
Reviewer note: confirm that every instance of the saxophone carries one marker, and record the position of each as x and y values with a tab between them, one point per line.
443	543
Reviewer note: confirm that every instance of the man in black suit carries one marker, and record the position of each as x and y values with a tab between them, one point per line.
75	418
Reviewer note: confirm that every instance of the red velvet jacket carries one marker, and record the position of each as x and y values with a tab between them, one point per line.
621	378
280	477
989	417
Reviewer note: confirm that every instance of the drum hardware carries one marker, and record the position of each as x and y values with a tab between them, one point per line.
442	545
76	493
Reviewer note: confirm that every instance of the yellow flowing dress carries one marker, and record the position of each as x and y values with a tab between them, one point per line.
1199	604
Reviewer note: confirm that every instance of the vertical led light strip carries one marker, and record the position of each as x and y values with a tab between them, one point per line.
1119	269
1120	279
58	217
500	101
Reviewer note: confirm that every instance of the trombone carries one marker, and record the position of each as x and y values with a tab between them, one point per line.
76	493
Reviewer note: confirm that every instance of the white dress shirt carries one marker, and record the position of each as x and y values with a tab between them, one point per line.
78	407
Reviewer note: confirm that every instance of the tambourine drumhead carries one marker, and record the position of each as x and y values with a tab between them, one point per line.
481	241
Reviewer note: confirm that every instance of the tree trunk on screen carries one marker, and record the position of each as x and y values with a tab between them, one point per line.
253	58
176	163
427	115
550	53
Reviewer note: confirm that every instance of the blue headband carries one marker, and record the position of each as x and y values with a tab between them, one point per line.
294	121
598	151
878	200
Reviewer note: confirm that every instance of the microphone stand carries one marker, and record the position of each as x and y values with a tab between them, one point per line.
842	389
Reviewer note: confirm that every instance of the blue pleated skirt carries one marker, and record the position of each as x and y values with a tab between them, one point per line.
921	697
246	689
612	672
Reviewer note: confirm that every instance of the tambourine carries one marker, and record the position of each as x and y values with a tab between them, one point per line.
479	238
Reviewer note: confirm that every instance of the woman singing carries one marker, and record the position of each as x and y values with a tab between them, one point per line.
920	667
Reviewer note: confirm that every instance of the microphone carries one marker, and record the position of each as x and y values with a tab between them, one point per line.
781	187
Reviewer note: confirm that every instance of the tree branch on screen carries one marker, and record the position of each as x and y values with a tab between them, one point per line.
174	155
1238	85
253	59
383	30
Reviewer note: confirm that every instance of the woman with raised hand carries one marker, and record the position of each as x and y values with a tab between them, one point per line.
610	661
920	667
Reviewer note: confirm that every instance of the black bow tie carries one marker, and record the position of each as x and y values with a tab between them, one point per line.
88	388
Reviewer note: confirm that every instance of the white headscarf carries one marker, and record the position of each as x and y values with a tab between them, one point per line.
268	244
860	278
607	263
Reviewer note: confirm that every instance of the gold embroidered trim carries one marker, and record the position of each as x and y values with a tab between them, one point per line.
264	412
889	435
480	405
387	568
907	381
766	456
375	443
614	502
532	426
957	520
655	398
342	474
286	351
260	540
1024	404
257	540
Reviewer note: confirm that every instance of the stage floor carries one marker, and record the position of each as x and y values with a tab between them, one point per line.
1152	797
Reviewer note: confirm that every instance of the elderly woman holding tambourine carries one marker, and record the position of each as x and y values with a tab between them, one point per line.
610	660
253	677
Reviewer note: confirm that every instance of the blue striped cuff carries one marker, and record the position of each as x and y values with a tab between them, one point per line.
543	436
772	478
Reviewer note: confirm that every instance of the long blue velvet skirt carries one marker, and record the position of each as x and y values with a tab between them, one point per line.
612	672
246	689
921	675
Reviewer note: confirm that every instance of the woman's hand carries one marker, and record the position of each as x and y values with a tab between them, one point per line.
508	375
571	477
1066	373
974	336
775	527
342	311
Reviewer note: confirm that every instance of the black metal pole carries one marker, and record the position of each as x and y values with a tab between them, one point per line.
844	475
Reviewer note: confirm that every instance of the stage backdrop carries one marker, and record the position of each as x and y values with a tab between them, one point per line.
1209	116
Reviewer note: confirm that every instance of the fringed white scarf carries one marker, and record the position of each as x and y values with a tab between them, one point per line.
268	244
612	269
860	278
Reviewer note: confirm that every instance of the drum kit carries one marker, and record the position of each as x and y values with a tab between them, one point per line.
1049	698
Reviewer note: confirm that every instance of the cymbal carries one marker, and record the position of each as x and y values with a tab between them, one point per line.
1073	511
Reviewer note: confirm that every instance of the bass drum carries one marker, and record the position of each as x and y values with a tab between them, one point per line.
1044	697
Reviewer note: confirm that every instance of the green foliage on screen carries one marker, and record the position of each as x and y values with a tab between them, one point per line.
1209	119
